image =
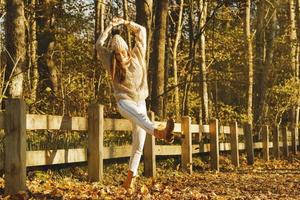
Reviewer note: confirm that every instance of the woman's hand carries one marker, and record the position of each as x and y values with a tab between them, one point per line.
117	21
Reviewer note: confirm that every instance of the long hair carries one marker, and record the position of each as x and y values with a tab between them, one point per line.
118	71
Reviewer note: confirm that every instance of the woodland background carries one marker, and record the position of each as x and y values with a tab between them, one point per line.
224	59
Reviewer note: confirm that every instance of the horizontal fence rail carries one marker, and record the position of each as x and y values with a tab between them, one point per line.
67	123
64	156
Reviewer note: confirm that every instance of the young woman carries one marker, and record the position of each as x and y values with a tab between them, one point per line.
129	77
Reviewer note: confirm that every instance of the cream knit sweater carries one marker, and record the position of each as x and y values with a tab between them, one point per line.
135	86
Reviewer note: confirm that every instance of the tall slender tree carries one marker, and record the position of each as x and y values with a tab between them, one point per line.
270	36
144	14
189	67
15	45
297	11
249	59
293	36
99	17
99	28
125	13
293	47
204	91
33	70
166	77
260	55
46	45
158	56
175	67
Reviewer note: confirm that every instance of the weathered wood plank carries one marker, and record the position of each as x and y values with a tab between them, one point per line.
241	131
294	139
195	128
265	141
15	146
161	150
234	144
2	120
223	129
51	157
60	156
205	128
117	124
249	143
276	133
285	147
186	146
214	144
116	152
53	122
95	142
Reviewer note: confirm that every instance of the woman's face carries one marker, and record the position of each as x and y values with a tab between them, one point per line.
122	55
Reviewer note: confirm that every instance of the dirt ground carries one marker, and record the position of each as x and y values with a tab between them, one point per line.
275	179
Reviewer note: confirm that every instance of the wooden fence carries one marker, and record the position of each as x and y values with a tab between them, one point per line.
15	122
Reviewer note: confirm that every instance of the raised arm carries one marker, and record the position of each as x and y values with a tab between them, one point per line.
103	52
140	37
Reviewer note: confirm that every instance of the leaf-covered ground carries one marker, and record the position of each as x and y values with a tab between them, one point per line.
276	179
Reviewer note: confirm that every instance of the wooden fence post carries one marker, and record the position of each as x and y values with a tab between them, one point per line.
294	139
265	140
186	146
298	134
95	142
15	146
285	147
249	143
234	144
214	144
149	153
276	141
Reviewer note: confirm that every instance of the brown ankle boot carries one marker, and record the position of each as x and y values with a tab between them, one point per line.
167	133
129	182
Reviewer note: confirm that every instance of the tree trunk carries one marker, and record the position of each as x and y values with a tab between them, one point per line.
15	45
34	73
166	80
158	56
144	17
293	47
249	60
297	11
204	99
260	55
189	68
293	37
99	28
125	11
270	35
46	43
99	17
175	67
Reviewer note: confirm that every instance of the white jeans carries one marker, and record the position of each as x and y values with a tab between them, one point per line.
137	114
